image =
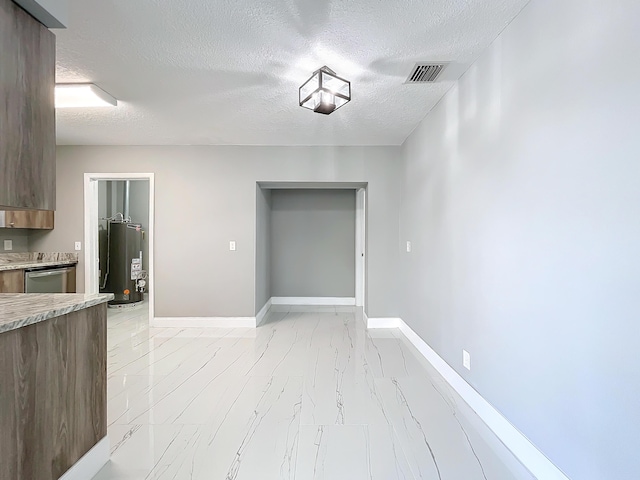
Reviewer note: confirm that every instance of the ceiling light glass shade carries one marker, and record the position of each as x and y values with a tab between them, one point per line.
78	95
325	92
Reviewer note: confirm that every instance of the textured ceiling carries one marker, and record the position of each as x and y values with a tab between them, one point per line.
227	72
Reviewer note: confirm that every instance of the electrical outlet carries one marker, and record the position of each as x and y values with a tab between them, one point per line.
8	245
78	246
466	360
232	246
408	247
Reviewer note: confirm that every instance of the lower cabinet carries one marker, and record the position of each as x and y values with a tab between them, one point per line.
12	281
54	394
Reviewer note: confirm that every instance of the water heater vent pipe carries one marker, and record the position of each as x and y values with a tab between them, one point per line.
127	189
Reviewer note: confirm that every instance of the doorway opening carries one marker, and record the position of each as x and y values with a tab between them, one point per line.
119	237
310	245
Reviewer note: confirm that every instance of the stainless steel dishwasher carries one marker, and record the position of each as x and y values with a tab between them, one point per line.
52	280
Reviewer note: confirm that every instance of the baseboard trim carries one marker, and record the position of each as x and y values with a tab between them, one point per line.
263	312
204	322
247	322
384	322
528	454
329	301
91	462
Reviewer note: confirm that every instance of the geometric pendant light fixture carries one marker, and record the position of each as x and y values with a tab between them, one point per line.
324	92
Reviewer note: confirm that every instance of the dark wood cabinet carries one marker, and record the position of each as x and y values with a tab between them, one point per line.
72	283
12	281
54	394
29	219
27	111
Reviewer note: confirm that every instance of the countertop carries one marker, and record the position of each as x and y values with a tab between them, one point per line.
21	261
18	310
36	264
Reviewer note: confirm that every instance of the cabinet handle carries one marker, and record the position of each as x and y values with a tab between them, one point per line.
48	273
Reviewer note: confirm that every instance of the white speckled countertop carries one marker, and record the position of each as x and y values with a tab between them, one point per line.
35	264
18	310
20	261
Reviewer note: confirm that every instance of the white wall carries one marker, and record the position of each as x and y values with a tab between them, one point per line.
206	196
521	196
313	243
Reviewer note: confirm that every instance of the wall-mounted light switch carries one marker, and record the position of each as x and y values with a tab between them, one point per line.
232	246
466	360
8	245
408	247
78	246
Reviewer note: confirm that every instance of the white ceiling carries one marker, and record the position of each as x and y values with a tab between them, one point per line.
227	72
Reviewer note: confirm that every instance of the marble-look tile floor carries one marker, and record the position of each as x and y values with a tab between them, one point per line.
310	394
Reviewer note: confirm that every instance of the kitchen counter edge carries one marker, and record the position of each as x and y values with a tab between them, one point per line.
36	265
19	310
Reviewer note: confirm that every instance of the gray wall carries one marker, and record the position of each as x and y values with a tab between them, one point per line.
263	247
521	196
313	243
20	238
206	196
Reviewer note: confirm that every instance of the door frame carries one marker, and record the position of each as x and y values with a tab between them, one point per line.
91	253
361	246
360	189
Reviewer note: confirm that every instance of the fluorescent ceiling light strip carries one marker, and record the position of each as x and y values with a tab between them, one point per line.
79	95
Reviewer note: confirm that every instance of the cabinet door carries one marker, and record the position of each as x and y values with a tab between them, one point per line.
27	115
32	219
12	281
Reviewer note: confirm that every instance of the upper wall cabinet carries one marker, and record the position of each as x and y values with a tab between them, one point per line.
31	219
27	111
51	13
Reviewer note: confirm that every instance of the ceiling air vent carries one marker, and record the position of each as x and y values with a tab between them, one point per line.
425	72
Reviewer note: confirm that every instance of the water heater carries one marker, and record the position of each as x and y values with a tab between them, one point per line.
124	274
